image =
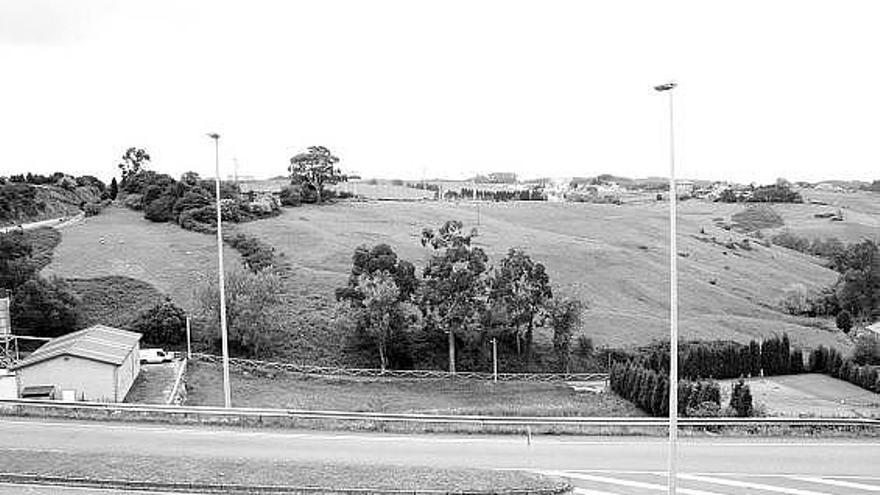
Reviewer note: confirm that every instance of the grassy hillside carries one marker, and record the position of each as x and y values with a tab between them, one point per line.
861	215
119	242
614	257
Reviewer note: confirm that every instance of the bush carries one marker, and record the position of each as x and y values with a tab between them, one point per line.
92	209
162	325
741	399
16	263
160	209
584	346
291	196
867	349
844	321
133	201
253	301
18	201
256	254
44	308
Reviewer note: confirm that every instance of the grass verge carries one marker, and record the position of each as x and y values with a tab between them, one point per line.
235	471
441	396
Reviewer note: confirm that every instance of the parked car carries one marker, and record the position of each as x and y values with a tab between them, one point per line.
155	356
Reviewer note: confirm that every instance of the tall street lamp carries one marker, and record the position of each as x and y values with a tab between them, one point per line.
227	395
673	298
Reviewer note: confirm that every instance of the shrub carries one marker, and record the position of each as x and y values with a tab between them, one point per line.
252	303
741	399
16	263
867	349
257	255
92	209
44	308
584	346
291	195
162	325
160	209
844	321
133	201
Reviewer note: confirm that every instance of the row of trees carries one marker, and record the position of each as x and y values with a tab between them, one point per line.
188	201
648	389
460	298
831	362
483	195
855	295
781	192
723	359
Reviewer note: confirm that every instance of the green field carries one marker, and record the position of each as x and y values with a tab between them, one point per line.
394	395
119	242
615	258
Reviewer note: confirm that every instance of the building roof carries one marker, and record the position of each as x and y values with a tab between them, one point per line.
98	343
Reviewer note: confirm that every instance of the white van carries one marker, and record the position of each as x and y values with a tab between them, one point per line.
155	356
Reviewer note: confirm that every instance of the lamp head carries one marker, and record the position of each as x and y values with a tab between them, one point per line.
665	87
214	135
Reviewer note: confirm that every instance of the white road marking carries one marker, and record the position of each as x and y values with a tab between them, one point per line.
844	484
588	491
749	484
628	483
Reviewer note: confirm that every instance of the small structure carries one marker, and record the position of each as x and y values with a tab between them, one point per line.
98	363
875	328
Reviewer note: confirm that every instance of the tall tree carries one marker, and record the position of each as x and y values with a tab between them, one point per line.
113	190
315	167
381	306
565	317
133	162
523	287
379	258
454	293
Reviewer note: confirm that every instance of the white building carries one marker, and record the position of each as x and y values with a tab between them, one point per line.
98	363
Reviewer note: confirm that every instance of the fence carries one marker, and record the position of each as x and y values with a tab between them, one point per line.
251	365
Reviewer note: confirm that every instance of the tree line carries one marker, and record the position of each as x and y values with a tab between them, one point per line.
456	307
855	295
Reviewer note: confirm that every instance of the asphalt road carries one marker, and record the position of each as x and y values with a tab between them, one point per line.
634	465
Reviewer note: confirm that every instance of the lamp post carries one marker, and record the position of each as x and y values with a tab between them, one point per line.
227	395
673	299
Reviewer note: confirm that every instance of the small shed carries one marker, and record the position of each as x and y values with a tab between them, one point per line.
98	363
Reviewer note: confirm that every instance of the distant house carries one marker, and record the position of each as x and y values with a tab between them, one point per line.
874	328
98	363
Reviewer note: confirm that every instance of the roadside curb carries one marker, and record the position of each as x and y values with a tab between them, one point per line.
209	488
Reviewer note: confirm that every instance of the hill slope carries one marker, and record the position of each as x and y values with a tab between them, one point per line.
614	257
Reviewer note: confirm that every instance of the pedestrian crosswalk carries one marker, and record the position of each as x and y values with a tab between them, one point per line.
586	482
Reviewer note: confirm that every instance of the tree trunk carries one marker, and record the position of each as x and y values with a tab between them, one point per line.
451	352
529	342
383	359
318	192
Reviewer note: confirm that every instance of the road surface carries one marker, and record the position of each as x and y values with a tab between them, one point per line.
598	466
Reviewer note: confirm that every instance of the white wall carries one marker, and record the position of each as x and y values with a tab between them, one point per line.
92	381
127	372
8	385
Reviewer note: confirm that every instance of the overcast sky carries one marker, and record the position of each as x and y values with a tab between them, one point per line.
404	88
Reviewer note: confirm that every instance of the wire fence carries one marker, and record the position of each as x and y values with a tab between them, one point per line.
252	365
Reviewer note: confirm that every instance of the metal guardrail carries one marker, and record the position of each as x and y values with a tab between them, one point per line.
481	420
252	364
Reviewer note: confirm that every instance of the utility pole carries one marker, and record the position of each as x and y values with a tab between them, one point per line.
189	353
227	395
673	300
495	360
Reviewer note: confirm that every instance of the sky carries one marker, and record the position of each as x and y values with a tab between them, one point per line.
412	89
